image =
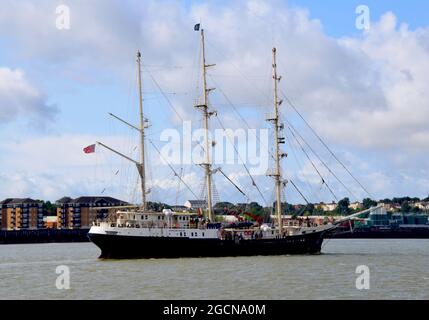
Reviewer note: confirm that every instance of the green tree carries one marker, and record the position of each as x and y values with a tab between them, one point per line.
405	207
255	209
49	208
221	205
416	210
368	203
224	207
343	207
309	210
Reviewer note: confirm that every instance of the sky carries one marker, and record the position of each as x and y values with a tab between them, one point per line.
364	91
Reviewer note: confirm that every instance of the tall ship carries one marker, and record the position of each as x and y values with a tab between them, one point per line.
142	233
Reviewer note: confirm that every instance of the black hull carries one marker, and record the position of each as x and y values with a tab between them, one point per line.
132	247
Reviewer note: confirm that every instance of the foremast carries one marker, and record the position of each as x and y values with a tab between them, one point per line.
141	167
277	175
206	115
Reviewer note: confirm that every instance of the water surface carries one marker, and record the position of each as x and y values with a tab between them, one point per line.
399	269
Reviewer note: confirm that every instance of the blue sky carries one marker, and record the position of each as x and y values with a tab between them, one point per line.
338	16
352	86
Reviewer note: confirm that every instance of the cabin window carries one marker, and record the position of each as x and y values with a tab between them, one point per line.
203	234
180	234
159	217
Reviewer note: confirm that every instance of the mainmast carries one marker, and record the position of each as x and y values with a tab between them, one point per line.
206	114
278	140
141	166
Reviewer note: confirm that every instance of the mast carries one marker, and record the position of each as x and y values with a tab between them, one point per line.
204	107
143	124
278	140
141	166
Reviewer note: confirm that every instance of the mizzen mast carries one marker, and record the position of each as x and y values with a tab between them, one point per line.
143	124
206	114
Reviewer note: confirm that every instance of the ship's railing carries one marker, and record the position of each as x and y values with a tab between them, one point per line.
122	223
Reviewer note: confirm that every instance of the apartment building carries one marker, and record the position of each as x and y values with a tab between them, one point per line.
81	212
19	214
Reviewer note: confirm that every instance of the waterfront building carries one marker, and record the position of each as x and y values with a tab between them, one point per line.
422	205
326	207
196	204
81	212
50	222
19	214
179	208
356	205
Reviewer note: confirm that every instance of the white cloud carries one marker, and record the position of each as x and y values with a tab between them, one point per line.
400	58
365	94
53	166
20	100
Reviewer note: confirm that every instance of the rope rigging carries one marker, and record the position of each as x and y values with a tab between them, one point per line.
324	144
314	166
244	165
299	191
235	185
172	169
164	95
240	116
246	123
291	127
307	124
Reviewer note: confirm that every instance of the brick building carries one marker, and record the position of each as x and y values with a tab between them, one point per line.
18	214
80	213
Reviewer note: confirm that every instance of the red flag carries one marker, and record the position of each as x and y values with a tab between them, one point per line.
89	149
